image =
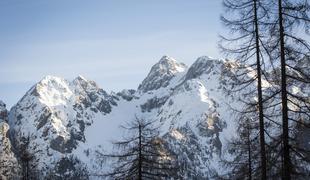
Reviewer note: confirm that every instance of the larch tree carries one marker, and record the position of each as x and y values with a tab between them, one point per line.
141	155
289	50
245	19
244	160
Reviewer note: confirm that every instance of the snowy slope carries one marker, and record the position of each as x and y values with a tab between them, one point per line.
54	114
77	117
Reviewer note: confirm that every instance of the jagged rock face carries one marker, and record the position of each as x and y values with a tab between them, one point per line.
54	114
3	112
192	111
68	168
127	94
203	65
9	167
161	74
78	118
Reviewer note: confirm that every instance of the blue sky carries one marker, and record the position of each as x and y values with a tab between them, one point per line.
113	42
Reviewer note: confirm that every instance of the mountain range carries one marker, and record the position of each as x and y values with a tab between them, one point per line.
59	119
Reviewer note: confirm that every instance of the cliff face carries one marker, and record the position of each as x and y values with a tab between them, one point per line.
9	167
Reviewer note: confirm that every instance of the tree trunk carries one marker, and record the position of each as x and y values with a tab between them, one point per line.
285	136
249	150
140	154
260	98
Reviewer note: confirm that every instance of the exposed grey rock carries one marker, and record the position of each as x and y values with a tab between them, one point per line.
161	73
93	96
69	168
189	159
203	65
9	167
127	94
63	145
104	106
153	103
43	119
34	91
3	112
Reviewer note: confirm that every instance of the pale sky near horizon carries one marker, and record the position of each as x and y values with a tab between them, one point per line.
112	42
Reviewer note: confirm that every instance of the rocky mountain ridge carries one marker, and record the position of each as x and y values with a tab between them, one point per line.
77	118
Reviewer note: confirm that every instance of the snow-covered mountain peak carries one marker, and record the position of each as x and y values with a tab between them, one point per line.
52	81
161	73
52	91
205	58
204	65
66	117
169	64
55	91
80	77
80	80
81	83
207	61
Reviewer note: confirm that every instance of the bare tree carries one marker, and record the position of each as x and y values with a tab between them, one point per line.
284	53
141	155
288	50
246	22
244	162
25	158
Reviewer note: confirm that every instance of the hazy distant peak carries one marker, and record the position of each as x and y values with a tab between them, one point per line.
169	64
80	78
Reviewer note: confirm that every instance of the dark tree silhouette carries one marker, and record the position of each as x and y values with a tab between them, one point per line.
289	50
284	53
25	157
142	154
246	19
242	149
